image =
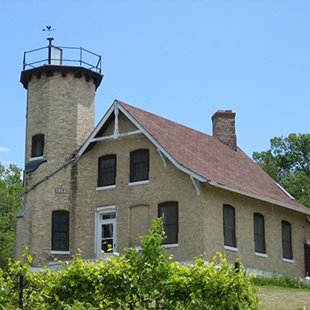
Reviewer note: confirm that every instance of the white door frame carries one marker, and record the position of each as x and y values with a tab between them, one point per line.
99	212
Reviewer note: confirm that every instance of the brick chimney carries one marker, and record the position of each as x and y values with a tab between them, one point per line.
224	128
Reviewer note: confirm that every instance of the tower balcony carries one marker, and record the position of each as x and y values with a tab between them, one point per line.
51	58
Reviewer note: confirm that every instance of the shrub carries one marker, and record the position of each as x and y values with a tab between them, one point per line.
143	279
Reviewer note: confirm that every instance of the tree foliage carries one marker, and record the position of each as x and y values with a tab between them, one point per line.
10	203
288	163
139	279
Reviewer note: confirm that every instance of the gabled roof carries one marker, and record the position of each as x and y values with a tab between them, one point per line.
203	157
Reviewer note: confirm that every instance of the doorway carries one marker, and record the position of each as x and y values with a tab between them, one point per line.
106	232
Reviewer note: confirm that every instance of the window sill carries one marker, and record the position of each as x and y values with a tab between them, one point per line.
36	158
230	248
261	254
287	260
166	246
60	252
171	245
103	188
138	183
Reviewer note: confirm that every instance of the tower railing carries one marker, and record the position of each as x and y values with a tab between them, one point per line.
62	56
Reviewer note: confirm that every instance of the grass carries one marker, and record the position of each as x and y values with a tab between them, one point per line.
282	292
280	298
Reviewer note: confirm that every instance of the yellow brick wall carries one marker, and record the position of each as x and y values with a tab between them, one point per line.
200	216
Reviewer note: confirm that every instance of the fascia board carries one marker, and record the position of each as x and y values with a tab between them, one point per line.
262	198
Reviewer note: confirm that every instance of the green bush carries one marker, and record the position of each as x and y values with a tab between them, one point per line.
143	279
283	280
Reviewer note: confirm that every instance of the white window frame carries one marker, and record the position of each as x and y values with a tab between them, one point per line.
261	254
230	248
36	158
104	188
138	183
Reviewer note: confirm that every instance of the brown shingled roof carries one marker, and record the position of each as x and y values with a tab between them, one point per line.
209	158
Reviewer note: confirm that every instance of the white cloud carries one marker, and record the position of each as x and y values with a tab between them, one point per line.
4	149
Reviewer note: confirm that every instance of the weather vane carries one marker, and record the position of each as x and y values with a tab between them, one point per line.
49	30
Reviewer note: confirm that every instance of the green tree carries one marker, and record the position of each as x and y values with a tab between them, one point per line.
11	188
288	163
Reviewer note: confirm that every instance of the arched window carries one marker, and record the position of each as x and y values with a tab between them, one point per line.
229	225
139	165
168	211
259	233
106	170
287	240
60	231
37	145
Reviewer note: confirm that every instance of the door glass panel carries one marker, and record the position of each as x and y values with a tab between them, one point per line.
107	216
107	231
107	237
107	245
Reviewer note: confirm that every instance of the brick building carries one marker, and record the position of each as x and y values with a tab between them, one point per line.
89	188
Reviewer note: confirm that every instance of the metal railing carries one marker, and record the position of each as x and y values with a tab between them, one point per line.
65	56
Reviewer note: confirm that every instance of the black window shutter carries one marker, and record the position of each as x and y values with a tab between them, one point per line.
229	226
60	231
37	145
106	170
287	240
259	233
168	211
139	165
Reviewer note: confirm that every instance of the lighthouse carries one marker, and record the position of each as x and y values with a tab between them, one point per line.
61	84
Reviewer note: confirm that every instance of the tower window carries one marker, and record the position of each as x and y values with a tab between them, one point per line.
168	211
60	231
139	165
106	170
37	145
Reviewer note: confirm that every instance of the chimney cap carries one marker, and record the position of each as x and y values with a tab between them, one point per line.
224	113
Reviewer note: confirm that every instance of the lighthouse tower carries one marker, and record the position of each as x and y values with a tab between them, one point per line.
61	83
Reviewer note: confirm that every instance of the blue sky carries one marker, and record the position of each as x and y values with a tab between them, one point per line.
179	59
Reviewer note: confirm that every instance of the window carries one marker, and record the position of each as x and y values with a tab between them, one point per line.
229	226
60	231
168	211
259	233
106	170
287	240
139	165
37	145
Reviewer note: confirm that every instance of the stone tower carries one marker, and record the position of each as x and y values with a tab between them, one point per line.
60	116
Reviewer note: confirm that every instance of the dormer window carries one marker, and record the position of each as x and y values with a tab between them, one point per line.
37	146
139	165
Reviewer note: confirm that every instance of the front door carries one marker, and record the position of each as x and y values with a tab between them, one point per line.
106	233
307	259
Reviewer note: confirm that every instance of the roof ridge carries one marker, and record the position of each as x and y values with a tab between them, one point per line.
166	119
